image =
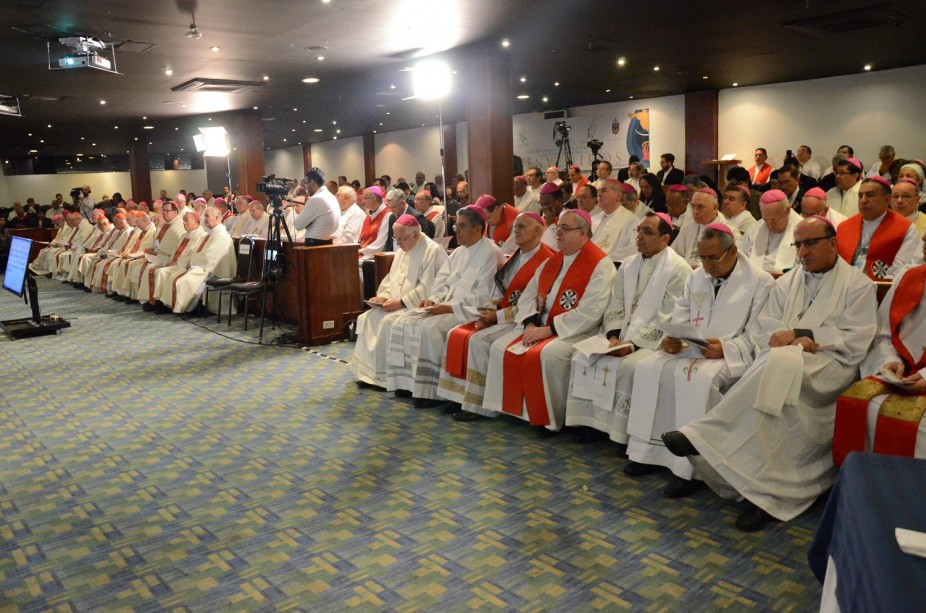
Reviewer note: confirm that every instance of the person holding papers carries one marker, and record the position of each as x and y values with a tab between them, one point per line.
706	349
647	286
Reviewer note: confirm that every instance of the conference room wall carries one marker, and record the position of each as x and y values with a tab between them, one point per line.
337	157
863	110
285	162
44	187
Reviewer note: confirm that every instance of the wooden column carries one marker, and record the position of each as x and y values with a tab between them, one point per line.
701	120
306	159
450	151
487	86
247	141
140	172
369	160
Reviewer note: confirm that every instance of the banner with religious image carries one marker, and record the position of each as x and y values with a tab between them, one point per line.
623	133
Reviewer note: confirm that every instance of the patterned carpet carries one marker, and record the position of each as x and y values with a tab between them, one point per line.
147	463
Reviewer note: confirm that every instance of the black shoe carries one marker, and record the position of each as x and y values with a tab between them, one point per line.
678	444
403	394
752	518
467	416
637	469
452	408
147	307
161	309
586	436
425	403
112	295
364	385
544	432
682	488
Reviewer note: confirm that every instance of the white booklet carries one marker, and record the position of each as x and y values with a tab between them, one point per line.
596	346
684	332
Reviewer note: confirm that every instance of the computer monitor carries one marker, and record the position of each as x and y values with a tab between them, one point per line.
14	280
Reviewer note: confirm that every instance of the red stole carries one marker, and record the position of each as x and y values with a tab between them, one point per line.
162	231
503	230
885	242
151	273
907	296
432	215
522	374
370	229
458	339
173	302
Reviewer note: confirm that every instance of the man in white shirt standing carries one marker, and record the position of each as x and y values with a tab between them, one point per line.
322	214
808	166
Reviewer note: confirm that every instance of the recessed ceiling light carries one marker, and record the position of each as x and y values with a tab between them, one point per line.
335	138
704	77
867	66
506	43
656	68
334	123
93	144
321	58
284	140
392	86
607	91
621	61
374	132
266	77
30	133
255	108
136	138
214	49
81	138
149	127
168	71
304	121
102	102
294	129
556	84
523	97
144	117
339	130
545	99
630	98
41	140
295	109
115	127
317	130
49	125
311	80
736	85
523	79
380	123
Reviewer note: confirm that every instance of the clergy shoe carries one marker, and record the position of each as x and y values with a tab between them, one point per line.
586	435
161	309
451	408
638	469
403	394
678	444
752	518
544	432
364	385
682	488
147	307
425	403
467	416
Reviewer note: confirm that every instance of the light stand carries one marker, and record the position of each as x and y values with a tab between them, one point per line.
431	81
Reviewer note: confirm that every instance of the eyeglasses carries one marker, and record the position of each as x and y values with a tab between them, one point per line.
706	259
564	229
810	242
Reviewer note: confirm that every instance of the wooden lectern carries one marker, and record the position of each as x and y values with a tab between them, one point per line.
327	292
721	176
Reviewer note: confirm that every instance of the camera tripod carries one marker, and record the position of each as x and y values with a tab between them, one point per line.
272	269
564	146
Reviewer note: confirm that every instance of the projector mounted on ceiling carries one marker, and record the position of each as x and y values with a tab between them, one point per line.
85	53
9	105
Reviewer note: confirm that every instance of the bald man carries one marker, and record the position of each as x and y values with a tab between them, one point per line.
768	244
814	204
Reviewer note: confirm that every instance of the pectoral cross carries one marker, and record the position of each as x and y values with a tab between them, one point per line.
697	320
604	381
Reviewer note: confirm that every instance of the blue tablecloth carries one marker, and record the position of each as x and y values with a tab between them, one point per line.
873	495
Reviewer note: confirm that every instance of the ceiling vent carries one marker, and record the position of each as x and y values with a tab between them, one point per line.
133	46
224	86
881	16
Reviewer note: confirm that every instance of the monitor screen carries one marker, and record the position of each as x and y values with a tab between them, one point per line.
14	279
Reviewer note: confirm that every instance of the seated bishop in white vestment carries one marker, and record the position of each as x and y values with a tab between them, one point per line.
705	210
769	243
528	371
682	381
770	439
409	281
466	356
613	227
463	284
601	372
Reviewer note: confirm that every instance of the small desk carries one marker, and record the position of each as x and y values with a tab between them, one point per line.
873	495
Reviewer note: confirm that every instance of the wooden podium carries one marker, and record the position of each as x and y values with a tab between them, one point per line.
720	165
327	292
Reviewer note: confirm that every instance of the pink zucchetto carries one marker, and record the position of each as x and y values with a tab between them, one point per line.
720	227
484	202
855	163
521	179
204	201
549	188
376	189
116	216
824	220
218	201
195	216
612	181
773	195
58	217
908	180
879	179
707	190
816	192
627	188
477	210
535	217
744	189
576	168
584	215
678	188
666	219
74	216
140	214
408	220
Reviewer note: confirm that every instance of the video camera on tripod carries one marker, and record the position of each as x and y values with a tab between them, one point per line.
275	188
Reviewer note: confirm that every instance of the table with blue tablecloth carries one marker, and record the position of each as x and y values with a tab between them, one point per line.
855	537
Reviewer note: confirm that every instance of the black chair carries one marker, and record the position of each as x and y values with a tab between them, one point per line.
245	289
243	273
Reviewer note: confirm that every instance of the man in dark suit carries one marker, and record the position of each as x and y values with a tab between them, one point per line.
669	175
624	173
789	180
395	200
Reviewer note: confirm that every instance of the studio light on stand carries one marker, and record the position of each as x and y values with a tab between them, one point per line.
215	142
431	81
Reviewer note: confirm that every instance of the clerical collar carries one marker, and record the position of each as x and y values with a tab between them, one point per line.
914	215
528	254
874	222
